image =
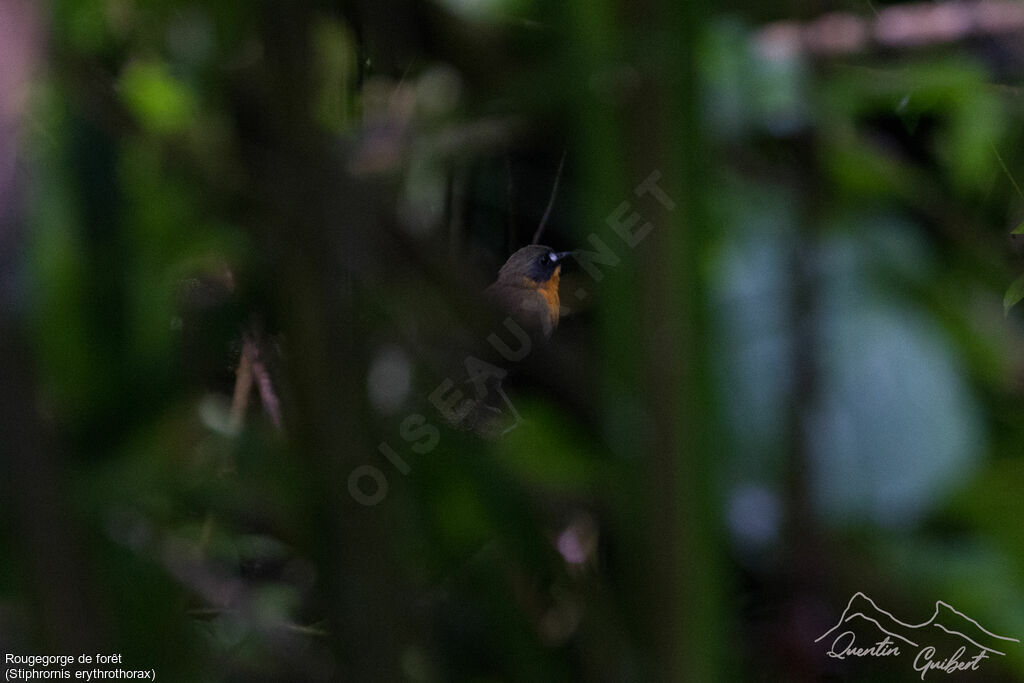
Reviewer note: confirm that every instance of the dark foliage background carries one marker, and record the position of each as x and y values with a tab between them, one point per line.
240	250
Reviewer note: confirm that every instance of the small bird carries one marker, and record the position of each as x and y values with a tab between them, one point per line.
527	291
527	287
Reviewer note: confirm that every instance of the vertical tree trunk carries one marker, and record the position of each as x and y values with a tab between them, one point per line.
32	490
319	227
659	407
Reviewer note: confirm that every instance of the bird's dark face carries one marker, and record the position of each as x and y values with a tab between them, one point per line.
536	262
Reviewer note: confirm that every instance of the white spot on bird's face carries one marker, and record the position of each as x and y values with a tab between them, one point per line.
552	257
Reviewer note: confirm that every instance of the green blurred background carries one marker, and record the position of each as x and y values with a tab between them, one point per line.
240	250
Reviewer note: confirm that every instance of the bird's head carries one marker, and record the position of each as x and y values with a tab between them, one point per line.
535	262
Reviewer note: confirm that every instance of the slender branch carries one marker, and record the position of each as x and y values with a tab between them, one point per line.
271	404
551	202
243	387
252	370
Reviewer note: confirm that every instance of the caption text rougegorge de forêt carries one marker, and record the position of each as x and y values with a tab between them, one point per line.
81	667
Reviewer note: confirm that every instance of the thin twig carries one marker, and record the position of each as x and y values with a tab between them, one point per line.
1007	172
271	404
252	370
551	202
243	387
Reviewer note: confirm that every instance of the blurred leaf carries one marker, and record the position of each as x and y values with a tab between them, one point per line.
82	23
162	103
484	10
336	59
993	503
953	92
1014	293
461	515
545	450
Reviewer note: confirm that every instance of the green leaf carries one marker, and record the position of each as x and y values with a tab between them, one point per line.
548	451
1013	295
161	102
1019	230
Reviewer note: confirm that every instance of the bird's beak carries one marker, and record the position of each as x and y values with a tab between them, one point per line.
562	255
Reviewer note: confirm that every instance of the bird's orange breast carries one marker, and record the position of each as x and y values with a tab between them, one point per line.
549	292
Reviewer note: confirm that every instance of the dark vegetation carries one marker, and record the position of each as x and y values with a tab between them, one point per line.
241	250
